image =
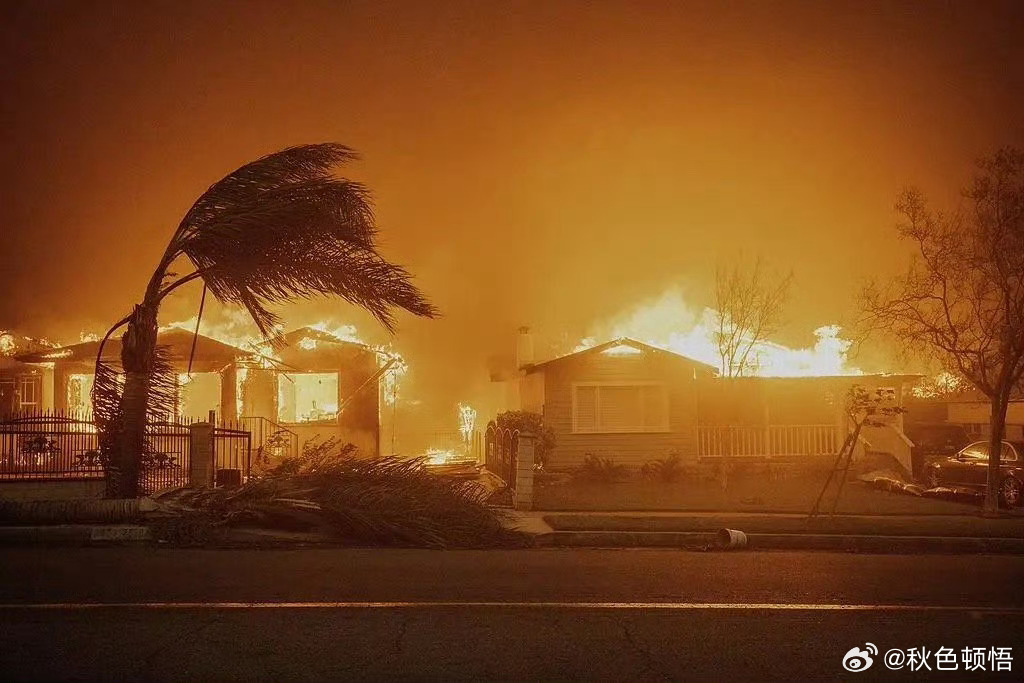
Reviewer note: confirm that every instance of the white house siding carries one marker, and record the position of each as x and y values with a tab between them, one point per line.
631	449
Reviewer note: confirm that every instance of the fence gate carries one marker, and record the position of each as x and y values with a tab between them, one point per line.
500	449
232	456
169	458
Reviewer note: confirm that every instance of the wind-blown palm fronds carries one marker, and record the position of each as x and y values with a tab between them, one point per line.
380	501
278	229
284	227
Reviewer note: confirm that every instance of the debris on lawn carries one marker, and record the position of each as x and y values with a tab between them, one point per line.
388	501
730	539
892	482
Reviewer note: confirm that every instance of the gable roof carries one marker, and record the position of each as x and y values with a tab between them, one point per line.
300	334
623	341
178	340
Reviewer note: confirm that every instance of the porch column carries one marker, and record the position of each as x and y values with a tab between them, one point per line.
228	393
524	471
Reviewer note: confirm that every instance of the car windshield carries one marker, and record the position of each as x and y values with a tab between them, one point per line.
980	451
976	451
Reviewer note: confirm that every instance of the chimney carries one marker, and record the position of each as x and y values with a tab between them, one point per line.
524	348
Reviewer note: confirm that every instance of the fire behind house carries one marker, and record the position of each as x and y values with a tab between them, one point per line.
633	402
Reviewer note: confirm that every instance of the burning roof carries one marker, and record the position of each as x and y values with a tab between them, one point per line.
208	351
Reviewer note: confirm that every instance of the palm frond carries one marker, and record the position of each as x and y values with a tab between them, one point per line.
283	227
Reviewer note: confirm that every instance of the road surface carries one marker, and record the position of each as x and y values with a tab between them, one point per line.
595	615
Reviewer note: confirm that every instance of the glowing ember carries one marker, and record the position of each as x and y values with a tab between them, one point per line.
6	344
436	456
391	381
669	323
942	384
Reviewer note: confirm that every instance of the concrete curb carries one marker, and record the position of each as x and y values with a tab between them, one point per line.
75	535
697	540
971	527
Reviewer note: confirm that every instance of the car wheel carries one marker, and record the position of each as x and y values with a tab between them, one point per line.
933	478
1009	492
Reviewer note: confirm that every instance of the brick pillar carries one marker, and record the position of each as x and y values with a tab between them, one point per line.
524	471
200	468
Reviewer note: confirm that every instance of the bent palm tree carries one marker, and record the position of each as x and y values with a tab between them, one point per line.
279	228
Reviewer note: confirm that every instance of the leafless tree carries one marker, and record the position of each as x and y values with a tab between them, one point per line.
961	300
749	302
279	228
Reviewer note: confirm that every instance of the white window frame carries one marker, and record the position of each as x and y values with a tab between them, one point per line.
653	429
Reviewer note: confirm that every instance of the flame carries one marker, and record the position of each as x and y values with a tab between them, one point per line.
343	332
391	382
7	344
939	385
670	323
467	421
233	327
437	456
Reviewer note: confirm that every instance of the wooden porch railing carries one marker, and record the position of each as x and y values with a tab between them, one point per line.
770	441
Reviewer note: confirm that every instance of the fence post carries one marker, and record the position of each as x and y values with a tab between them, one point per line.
200	468
524	471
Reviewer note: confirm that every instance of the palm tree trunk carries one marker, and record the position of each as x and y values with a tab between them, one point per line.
138	346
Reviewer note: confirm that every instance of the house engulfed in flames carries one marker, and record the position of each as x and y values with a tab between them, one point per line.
315	384
635	402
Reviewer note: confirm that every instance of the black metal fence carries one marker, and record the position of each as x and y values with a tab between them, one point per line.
50	445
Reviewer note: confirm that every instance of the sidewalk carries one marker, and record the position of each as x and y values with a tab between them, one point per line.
857	533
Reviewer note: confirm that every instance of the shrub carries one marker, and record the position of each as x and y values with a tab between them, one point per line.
599	470
526	421
667	469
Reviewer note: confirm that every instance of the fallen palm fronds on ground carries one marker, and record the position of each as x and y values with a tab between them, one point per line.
388	501
892	482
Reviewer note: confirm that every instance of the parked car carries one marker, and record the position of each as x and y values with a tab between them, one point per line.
933	442
969	469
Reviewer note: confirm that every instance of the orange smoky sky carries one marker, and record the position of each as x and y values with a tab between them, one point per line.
545	163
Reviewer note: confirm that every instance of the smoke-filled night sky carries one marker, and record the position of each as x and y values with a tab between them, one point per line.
543	163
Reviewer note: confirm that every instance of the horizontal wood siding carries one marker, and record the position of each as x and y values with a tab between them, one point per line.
625	449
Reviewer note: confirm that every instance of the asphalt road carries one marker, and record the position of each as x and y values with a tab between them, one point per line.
597	615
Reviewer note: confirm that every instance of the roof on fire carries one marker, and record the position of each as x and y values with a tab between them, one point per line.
179	341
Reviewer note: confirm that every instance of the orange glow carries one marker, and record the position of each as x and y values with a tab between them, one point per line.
670	323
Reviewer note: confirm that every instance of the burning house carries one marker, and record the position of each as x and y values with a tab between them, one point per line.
314	385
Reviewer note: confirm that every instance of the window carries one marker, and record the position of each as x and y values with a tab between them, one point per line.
307	397
619	408
30	389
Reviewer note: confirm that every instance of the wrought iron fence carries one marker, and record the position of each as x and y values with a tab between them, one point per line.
500	448
45	445
54	445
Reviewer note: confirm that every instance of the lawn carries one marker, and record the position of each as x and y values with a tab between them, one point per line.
745	493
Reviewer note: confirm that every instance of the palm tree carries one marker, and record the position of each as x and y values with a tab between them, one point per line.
280	228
